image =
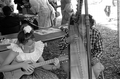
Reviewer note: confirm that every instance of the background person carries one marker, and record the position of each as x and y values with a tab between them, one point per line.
10	23
66	10
45	12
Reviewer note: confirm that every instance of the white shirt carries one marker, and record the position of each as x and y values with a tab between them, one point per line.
33	56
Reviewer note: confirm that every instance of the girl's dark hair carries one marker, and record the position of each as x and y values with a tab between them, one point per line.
34	25
24	37
92	21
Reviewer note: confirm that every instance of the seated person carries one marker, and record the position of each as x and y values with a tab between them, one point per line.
9	24
25	51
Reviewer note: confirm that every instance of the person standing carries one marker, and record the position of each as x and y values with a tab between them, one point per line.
45	12
66	10
54	4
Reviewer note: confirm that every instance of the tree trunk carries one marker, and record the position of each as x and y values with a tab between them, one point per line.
118	20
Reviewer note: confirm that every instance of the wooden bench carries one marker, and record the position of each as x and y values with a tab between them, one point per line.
38	37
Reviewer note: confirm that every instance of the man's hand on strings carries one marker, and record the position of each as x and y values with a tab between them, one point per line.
72	38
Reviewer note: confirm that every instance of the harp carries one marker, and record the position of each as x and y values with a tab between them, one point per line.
79	57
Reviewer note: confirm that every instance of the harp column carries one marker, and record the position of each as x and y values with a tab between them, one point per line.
88	40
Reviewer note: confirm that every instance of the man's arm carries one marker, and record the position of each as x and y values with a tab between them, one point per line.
98	49
99	46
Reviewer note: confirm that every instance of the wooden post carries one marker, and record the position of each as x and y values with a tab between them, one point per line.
118	20
88	40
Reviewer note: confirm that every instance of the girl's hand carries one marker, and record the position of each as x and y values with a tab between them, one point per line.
28	66
56	67
56	61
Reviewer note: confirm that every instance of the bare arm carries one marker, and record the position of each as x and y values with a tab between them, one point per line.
99	46
6	66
